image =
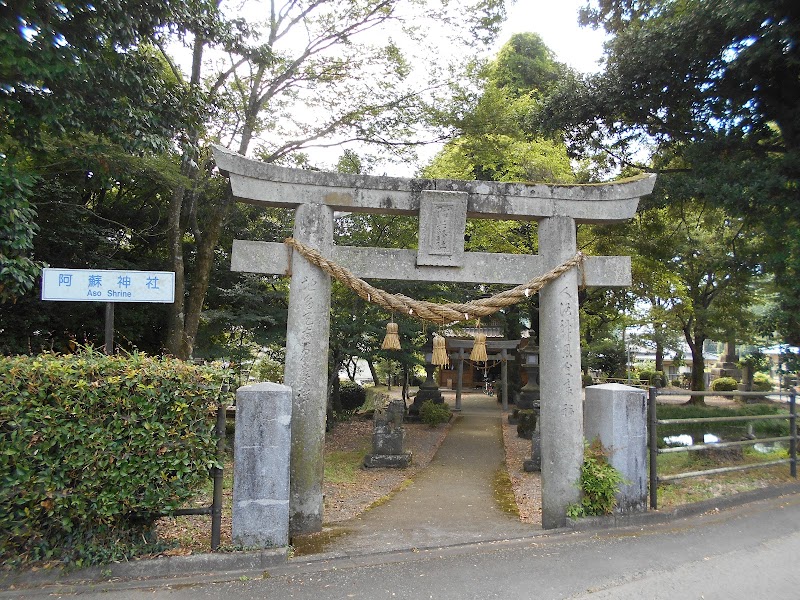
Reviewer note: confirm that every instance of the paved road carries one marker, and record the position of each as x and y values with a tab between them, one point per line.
749	552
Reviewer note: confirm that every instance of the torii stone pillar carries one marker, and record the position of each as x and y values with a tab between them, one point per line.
442	207
307	341
561	410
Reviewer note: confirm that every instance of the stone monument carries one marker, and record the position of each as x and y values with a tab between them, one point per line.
728	363
442	207
388	436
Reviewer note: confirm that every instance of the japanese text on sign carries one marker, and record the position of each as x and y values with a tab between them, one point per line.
99	285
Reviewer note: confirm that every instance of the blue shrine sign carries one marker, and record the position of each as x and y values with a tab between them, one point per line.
99	285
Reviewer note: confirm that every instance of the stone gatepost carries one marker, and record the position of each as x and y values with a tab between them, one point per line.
560	375
261	465
617	415
306	370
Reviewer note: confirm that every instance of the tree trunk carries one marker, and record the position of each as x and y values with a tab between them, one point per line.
698	367
660	357
175	333
373	372
333	404
352	366
204	264
177	343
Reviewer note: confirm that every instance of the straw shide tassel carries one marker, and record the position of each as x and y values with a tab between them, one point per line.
440	358
392	339
478	353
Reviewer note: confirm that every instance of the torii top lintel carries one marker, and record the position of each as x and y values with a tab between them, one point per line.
263	183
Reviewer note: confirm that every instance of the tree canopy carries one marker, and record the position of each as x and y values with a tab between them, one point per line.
705	93
111	77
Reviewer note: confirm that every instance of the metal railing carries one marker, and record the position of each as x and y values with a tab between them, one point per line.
654	422
215	510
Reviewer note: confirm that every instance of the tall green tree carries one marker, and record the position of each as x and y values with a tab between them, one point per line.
698	271
70	67
313	73
715	84
490	143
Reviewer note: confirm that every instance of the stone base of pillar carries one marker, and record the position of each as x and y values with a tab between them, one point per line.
261	465
617	416
390	461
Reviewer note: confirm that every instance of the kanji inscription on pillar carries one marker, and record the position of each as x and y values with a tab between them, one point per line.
442	222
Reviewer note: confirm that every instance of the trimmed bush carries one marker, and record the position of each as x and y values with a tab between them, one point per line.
762	383
652	377
351	396
94	447
434	413
724	384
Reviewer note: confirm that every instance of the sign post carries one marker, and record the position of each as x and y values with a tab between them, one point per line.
109	286
108	348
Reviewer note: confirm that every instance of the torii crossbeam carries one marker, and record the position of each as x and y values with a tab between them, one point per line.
443	207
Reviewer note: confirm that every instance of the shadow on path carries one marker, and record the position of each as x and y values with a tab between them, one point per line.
451	501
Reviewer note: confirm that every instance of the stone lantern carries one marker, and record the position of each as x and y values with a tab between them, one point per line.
529	397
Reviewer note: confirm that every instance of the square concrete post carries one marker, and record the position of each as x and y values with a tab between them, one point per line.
560	375
306	371
617	415
261	465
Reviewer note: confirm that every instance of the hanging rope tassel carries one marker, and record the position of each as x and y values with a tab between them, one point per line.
478	353
440	358
392	339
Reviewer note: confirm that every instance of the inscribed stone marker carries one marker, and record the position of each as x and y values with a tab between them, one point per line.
442	222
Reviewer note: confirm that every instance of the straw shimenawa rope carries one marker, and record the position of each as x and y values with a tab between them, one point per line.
431	311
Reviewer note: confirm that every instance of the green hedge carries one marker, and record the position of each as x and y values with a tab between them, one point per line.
724	384
351	396
762	383
93	447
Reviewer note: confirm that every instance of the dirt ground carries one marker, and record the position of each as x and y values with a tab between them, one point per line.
362	488
346	500
527	486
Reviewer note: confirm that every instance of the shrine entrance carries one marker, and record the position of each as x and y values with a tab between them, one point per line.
490	377
442	207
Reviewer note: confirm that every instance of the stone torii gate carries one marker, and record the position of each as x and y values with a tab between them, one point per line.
443	207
